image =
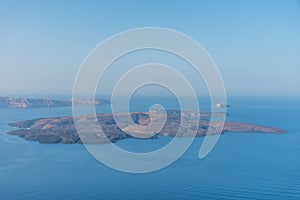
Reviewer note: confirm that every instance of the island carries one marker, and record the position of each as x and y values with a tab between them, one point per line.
62	129
11	102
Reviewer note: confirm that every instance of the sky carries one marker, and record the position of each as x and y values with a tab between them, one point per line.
255	44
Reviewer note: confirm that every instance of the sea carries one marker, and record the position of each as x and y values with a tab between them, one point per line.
241	166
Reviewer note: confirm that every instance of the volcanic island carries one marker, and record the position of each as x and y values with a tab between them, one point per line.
63	130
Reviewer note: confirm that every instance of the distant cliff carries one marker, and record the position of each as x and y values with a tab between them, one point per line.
9	102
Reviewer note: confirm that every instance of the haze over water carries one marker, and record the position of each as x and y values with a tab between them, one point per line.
255	46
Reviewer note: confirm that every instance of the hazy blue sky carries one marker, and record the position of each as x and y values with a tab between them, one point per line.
256	44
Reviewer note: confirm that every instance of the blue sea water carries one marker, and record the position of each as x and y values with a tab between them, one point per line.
241	166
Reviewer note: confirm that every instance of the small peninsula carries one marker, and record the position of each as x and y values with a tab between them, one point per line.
62	129
11	102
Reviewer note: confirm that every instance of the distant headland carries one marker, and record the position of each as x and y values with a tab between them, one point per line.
10	102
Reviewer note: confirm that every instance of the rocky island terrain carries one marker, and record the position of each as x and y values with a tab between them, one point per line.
62	129
11	102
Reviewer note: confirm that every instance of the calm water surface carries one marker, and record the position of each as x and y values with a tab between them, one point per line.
242	165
